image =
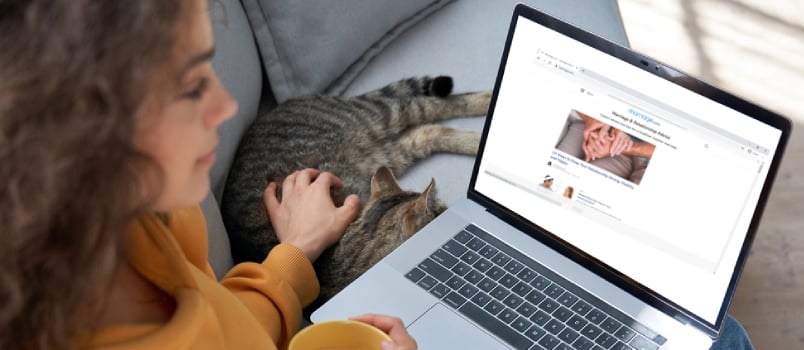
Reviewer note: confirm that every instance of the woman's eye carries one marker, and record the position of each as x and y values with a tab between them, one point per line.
198	91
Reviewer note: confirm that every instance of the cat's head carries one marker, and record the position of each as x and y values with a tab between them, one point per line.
392	209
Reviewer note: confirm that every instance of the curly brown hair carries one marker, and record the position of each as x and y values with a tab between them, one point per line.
73	76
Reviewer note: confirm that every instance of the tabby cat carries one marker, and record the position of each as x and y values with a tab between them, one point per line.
390	217
351	137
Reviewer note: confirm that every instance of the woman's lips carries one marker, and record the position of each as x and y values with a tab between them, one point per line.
207	159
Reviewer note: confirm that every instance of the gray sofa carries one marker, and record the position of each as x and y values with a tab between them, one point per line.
356	46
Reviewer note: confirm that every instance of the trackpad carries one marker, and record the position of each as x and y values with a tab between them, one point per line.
441	328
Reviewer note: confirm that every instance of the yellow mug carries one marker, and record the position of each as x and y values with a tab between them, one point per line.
338	335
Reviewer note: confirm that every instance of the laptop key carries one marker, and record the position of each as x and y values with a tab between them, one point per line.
535	333
514	267
540	318
610	325
563	346
526	309
562	314
526	275
554	291
500	293
473	277
507	316
641	343
522	289
540	282
583	344
581	307
482	265
470	257
508	281
415	275
454	247
606	340
435	270
481	299
521	324
440	291
548	305
475	244
567	299
444	258
468	291
595	316
591	331
455	283
554	326
577	322
454	299
568	335
624	333
649	334
427	282
495	273
501	259
494	307
535	297
486	284
488	252
512	301
549	341
620	346
496	327
461	269
463	237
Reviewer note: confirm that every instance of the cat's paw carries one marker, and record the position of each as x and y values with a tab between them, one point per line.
440	86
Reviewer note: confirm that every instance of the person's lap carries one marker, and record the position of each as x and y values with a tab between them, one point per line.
734	337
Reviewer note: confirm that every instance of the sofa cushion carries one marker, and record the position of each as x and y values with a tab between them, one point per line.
237	64
465	40
320	46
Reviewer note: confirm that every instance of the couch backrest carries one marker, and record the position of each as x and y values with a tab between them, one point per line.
238	65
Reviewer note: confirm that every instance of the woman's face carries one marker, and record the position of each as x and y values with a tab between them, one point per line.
180	130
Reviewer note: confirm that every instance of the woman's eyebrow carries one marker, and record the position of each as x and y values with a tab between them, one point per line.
197	59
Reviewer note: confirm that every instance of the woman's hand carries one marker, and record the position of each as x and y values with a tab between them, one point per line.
306	217
400	338
621	143
594	133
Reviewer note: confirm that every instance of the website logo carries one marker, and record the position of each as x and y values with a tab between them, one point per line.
643	116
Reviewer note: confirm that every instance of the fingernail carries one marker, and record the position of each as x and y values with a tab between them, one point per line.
387	345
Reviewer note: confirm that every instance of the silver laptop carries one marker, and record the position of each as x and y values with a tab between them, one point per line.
562	245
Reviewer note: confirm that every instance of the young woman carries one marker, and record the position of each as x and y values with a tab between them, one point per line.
108	118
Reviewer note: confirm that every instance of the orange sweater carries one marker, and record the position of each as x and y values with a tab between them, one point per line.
255	306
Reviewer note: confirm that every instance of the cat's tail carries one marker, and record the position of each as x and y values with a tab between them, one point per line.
440	86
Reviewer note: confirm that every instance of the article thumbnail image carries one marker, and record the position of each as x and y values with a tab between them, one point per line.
604	146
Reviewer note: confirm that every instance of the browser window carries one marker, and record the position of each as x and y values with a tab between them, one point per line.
655	181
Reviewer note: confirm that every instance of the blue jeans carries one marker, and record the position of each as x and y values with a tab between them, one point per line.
734	337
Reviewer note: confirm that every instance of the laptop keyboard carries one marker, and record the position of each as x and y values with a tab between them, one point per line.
521	301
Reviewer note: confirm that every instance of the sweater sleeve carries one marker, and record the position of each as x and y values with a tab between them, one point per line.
276	290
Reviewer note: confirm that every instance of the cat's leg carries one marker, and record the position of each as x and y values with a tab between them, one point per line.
426	109
440	86
423	141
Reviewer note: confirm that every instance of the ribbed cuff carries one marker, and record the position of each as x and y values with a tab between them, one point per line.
296	269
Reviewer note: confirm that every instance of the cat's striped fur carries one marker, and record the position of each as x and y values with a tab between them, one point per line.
351	137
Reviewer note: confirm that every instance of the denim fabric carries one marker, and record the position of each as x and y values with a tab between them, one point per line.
733	337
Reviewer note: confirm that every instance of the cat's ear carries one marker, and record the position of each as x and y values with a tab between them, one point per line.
426	203
383	182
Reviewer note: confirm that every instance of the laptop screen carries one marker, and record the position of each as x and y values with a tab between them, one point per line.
651	179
